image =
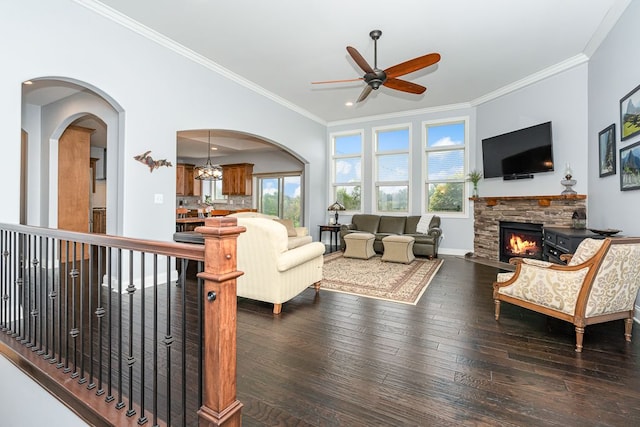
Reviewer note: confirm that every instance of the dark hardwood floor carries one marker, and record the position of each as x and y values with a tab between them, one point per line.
342	360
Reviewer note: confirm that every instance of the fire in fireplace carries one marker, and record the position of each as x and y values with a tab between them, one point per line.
519	239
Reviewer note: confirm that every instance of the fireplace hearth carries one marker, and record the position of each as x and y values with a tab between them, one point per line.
520	239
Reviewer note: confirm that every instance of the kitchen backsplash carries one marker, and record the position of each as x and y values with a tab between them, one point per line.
233	202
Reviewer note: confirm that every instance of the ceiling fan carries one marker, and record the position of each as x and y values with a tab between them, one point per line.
375	77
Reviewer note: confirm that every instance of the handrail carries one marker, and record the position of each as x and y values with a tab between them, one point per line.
83	312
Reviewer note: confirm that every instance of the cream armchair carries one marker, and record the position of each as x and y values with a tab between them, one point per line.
274	273
599	284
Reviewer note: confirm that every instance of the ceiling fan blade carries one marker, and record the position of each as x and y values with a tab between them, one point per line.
412	65
362	63
367	90
404	85
337	81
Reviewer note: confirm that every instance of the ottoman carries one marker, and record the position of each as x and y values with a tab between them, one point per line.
359	245
398	249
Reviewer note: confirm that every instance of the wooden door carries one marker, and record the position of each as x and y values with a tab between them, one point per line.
74	181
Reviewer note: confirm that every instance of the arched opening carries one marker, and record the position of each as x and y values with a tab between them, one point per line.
277	174
50	107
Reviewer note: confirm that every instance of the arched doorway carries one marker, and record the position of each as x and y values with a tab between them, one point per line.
50	106
277	173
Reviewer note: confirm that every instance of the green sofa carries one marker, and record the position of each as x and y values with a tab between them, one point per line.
381	226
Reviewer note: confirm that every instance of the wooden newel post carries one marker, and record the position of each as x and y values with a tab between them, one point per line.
220	406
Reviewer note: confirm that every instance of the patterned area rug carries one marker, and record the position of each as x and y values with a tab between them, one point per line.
373	278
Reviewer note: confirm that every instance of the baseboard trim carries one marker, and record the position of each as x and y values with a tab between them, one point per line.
448	251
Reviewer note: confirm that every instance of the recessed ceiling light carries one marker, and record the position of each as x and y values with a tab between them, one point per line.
28	82
214	148
349	104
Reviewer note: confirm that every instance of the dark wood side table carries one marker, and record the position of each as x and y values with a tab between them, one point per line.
333	230
561	240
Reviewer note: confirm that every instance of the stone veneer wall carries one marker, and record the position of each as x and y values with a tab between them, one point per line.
550	211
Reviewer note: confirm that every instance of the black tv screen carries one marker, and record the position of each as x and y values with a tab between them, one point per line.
519	153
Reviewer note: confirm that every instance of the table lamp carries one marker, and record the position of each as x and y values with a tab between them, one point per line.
336	207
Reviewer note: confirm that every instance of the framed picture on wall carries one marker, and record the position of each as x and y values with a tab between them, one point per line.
630	114
630	167
607	150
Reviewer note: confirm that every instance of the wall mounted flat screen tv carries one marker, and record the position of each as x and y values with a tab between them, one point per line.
518	154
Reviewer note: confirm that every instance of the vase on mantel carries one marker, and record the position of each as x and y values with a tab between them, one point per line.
475	191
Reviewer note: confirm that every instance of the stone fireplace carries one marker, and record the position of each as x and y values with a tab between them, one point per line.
547	211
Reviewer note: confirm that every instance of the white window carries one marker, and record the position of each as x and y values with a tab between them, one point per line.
391	170
346	173
212	192
445	144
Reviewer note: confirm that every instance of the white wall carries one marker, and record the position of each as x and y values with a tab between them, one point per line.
16	389
613	72
561	99
160	93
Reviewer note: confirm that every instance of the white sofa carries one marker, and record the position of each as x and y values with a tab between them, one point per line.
276	267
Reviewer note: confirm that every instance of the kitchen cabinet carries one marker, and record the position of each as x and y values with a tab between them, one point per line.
237	179
186	184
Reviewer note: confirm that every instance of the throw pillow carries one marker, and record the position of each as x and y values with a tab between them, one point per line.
423	225
291	230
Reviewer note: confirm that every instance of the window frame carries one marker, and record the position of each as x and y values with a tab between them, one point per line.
335	157
375	162
464	213
280	176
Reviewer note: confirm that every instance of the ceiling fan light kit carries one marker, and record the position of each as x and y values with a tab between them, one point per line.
375	77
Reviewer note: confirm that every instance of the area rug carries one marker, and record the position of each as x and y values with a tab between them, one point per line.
373	278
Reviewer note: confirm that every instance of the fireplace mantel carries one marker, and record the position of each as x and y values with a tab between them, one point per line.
550	211
542	200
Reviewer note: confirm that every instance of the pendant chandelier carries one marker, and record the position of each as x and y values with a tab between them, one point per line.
209	172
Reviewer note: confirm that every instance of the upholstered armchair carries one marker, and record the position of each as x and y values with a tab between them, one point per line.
275	272
599	284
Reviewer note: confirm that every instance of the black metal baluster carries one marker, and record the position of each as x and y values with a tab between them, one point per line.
61	304
82	379
131	289
168	338
15	298
27	292
155	341
184	343
109	397
5	275
142	418
53	296
73	332
41	287
46	316
120	403
200	328
93	281
99	315
21	290
65	329
23	283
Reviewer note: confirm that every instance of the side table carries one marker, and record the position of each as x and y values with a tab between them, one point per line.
333	236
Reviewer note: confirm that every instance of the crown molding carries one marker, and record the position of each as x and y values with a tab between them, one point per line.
608	22
533	78
170	44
